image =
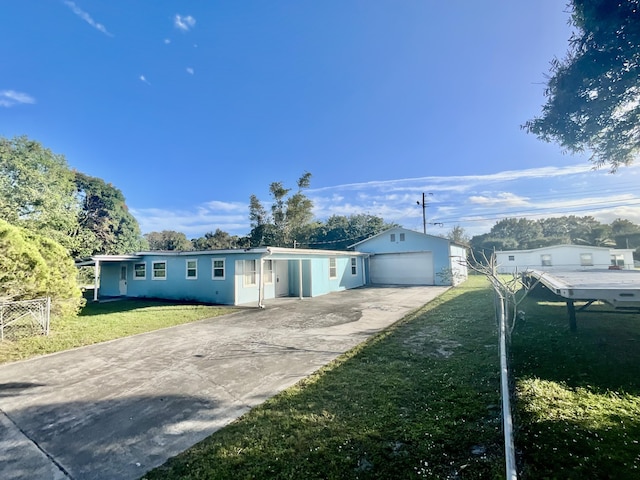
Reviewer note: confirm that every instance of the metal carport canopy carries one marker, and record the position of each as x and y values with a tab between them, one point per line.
620	288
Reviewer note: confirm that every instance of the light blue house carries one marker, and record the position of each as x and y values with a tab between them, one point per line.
228	277
404	257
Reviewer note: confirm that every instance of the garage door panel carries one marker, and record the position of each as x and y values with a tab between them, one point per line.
402	269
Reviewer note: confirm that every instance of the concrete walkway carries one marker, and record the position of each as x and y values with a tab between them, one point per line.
121	408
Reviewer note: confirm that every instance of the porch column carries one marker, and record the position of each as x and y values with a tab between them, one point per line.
96	280
300	278
260	284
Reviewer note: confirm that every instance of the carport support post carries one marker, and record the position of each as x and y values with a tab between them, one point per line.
300	277
260	284
571	308
96	277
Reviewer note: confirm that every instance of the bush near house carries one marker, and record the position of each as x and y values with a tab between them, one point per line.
32	266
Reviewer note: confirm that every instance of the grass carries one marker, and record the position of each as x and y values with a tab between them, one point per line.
99	322
417	401
421	400
578	393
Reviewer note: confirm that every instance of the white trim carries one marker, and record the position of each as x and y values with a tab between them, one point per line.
353	264
252	272
153	270
213	268
335	267
135	271
268	272
186	268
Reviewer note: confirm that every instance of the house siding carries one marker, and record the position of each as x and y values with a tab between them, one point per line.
232	289
415	242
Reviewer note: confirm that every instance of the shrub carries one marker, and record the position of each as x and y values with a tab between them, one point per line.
32	266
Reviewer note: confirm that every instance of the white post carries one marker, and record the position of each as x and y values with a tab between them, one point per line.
300	278
96	278
260	285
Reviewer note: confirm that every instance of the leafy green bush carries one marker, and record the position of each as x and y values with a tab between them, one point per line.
32	266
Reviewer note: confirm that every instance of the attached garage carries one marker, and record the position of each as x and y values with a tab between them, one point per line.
411	268
404	257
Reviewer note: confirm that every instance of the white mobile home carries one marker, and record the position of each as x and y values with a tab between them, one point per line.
564	257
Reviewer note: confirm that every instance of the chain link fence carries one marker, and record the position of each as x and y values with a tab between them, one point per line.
24	318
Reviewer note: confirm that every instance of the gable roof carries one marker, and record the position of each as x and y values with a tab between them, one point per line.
403	230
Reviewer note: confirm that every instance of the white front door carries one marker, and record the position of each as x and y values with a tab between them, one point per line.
282	278
123	279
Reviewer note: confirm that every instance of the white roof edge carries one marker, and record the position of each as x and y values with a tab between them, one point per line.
406	230
565	245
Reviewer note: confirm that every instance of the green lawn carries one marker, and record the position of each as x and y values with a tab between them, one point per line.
99	322
418	401
578	407
422	401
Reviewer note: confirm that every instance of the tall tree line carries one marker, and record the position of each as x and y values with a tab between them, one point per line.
49	215
523	233
39	192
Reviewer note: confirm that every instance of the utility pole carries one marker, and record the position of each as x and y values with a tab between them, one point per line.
424	212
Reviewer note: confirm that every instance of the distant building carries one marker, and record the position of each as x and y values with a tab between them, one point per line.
564	257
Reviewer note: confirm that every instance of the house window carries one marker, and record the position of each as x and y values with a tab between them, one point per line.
545	260
217	266
333	269
354	266
192	269
402	237
159	270
512	258
586	259
268	271
249	273
139	271
617	260
393	237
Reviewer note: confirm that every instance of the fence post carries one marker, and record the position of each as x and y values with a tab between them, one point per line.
47	316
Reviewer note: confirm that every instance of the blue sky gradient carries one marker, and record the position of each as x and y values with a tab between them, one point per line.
190	107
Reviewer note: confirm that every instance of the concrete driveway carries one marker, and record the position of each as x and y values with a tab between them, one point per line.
120	408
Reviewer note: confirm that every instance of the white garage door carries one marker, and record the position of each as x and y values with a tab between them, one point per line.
402	269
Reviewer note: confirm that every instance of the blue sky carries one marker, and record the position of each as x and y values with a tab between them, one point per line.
189	107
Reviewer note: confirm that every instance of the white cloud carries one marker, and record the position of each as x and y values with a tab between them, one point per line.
9	98
167	41
184	23
505	199
86	17
190	71
231	217
475	203
143	79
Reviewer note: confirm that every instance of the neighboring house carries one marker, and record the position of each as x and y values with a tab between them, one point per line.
227	277
567	257
404	257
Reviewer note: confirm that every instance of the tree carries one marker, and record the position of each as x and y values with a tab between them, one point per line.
168	240
458	235
339	231
216	240
621	226
290	216
32	266
37	190
105	222
593	94
523	231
